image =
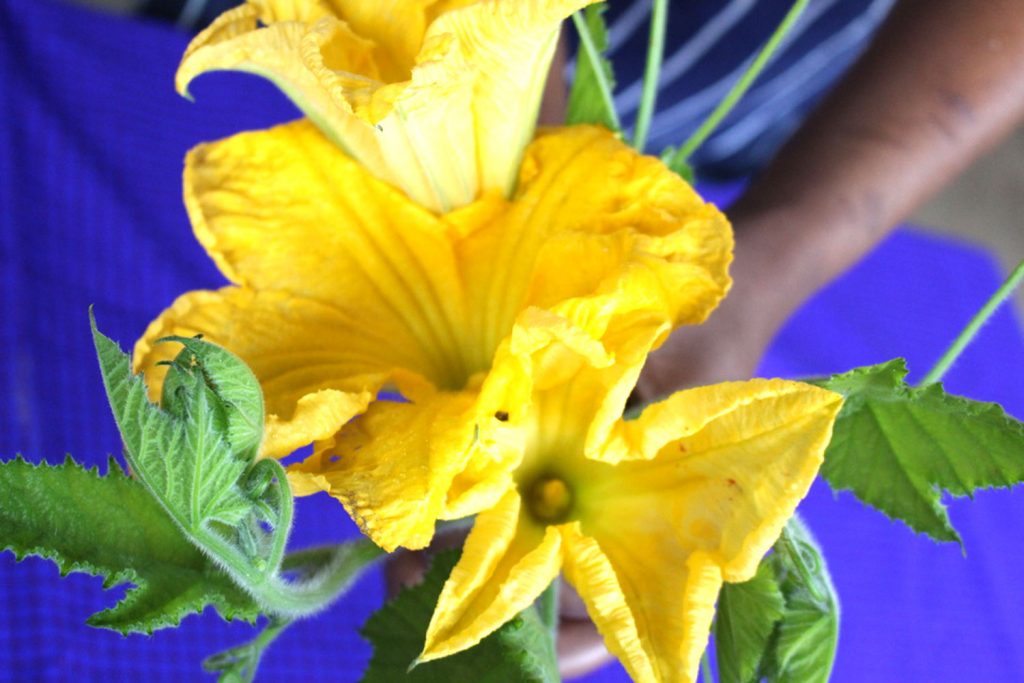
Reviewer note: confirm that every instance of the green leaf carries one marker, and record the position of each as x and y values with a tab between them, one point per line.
195	456
746	617
110	526
231	381
239	664
897	448
236	510
803	647
590	97
521	651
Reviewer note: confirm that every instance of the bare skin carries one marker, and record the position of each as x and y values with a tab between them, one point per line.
942	82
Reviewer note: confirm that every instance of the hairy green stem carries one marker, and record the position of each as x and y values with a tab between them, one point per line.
594	57
706	676
240	663
971	331
652	73
742	85
324	574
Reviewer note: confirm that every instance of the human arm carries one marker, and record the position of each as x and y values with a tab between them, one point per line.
942	81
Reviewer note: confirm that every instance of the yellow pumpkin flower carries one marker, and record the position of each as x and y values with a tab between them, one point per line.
437	97
692	493
343	286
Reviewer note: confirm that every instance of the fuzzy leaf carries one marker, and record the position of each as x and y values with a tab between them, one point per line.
195	454
110	526
803	647
231	381
332	569
744	623
521	651
897	448
586	104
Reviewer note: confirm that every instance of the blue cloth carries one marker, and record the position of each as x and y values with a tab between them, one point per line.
709	44
90	213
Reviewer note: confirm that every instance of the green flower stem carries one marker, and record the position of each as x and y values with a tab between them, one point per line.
326	572
594	57
706	675
742	85
971	331
652	73
240	663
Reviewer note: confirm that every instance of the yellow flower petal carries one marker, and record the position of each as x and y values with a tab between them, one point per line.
283	210
436	98
346	290
392	468
744	455
297	349
656	537
506	564
652	603
633	210
646	252
317	416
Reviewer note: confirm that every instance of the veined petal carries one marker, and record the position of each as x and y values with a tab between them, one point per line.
510	46
265	38
632	229
436	98
506	564
317	417
744	456
543	349
571	382
315	366
392	468
656	537
652	603
283	210
395	27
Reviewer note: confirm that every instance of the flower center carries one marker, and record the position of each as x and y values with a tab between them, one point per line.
549	500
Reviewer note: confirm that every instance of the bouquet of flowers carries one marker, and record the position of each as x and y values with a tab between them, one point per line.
437	315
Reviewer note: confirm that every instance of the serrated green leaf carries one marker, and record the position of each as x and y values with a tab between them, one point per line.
231	381
183	456
803	646
109	526
744	623
194	456
521	651
588	101
897	448
236	510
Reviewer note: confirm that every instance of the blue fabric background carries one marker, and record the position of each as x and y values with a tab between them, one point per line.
91	148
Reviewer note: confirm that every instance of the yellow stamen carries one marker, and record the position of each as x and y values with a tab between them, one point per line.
549	499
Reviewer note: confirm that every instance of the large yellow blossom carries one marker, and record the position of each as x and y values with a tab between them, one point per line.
690	494
437	97
344	286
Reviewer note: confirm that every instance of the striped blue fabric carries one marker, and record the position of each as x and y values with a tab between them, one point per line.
709	43
91	148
